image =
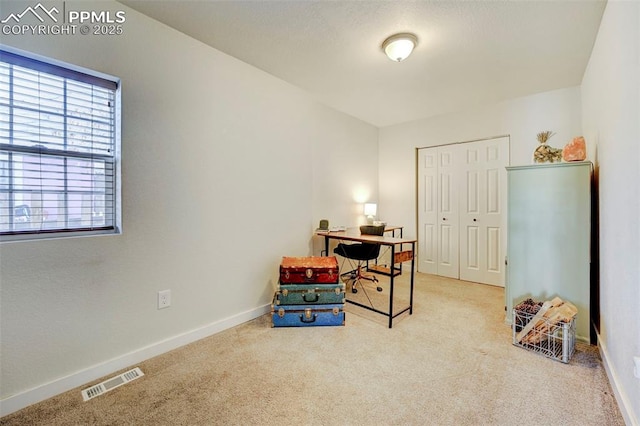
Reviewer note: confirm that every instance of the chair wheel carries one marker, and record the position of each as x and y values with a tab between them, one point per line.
379	288
354	290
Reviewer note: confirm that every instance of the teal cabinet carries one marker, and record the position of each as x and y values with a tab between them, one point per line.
549	236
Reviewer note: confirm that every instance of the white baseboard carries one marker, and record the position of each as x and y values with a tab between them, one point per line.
623	402
56	387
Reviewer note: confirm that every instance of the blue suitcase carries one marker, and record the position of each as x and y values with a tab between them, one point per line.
307	315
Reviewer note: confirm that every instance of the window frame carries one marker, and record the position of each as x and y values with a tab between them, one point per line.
67	71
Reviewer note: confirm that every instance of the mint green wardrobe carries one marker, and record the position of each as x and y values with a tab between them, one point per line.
549	236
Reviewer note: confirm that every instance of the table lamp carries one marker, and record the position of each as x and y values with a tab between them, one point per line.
370	212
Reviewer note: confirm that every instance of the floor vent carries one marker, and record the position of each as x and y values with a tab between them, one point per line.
112	383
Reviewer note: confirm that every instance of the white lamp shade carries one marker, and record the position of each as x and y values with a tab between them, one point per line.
370	209
398	47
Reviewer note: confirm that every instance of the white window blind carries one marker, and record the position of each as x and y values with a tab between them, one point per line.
57	149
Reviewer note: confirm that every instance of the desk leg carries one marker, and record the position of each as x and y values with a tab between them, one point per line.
326	246
413	259
400	268
393	253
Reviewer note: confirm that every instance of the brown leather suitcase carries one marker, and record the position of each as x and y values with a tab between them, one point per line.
309	270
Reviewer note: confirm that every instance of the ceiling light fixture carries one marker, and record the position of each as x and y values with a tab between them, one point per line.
399	46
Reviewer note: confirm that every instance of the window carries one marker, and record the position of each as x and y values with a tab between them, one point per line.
58	150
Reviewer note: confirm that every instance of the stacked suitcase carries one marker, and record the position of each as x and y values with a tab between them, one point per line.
309	294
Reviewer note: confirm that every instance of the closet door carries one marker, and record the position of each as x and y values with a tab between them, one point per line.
461	210
482	211
448	255
428	211
438	211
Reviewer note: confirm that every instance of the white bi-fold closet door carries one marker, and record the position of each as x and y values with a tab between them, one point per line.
462	210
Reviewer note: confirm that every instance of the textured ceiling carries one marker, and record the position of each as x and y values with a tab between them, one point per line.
469	52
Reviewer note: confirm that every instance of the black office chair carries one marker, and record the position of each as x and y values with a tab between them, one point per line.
360	254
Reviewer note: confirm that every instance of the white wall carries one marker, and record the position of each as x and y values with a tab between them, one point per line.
342	164
221	178
611	121
522	119
345	174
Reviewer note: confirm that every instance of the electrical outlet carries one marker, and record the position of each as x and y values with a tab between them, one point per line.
164	299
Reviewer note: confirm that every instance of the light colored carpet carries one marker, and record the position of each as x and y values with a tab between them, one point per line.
450	363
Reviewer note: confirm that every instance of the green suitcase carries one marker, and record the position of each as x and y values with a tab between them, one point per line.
310	294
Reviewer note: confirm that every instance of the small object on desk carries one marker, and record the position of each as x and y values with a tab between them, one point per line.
323	226
338	228
370	212
372	230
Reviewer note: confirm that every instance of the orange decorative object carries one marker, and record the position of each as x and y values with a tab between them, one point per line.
576	150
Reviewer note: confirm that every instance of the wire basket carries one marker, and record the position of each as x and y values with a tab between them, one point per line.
553	340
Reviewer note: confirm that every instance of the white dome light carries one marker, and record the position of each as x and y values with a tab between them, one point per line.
399	46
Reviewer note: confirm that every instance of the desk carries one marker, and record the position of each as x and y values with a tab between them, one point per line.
353	234
393	269
393	229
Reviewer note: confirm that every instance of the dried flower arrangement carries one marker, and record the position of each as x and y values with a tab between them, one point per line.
544	153
543	137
